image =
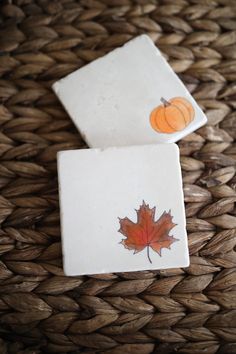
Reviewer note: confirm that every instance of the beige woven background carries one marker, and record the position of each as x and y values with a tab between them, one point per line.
189	310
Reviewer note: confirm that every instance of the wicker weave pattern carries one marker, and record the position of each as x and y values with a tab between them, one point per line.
181	310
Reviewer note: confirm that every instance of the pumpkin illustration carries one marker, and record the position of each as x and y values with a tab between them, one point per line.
172	116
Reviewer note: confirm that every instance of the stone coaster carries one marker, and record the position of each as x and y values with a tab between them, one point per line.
122	209
130	96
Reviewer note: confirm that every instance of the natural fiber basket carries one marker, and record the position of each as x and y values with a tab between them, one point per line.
189	310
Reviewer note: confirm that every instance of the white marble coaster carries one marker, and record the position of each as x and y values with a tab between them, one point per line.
122	209
131	96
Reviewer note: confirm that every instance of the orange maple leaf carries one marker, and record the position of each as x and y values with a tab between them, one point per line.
147	232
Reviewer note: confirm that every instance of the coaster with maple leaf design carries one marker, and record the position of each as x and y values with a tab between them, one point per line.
122	209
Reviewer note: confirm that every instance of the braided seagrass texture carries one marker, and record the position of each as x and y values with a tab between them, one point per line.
189	310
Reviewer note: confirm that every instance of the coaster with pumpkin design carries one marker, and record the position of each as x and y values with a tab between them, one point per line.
122	209
131	96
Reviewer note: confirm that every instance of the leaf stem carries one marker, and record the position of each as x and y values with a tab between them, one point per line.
148	254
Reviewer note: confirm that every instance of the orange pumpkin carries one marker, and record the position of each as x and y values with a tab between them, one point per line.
172	116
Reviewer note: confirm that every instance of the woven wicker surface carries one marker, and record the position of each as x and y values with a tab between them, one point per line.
189	310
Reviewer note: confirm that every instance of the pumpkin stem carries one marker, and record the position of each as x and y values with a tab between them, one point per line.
165	102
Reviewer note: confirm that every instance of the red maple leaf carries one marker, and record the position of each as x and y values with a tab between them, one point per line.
147	232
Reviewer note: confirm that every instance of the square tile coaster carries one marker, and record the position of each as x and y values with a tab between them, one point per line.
122	209
130	96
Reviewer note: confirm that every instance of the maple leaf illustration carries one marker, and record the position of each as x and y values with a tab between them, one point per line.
147	232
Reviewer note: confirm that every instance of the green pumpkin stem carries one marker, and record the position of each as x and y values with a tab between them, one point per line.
165	102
